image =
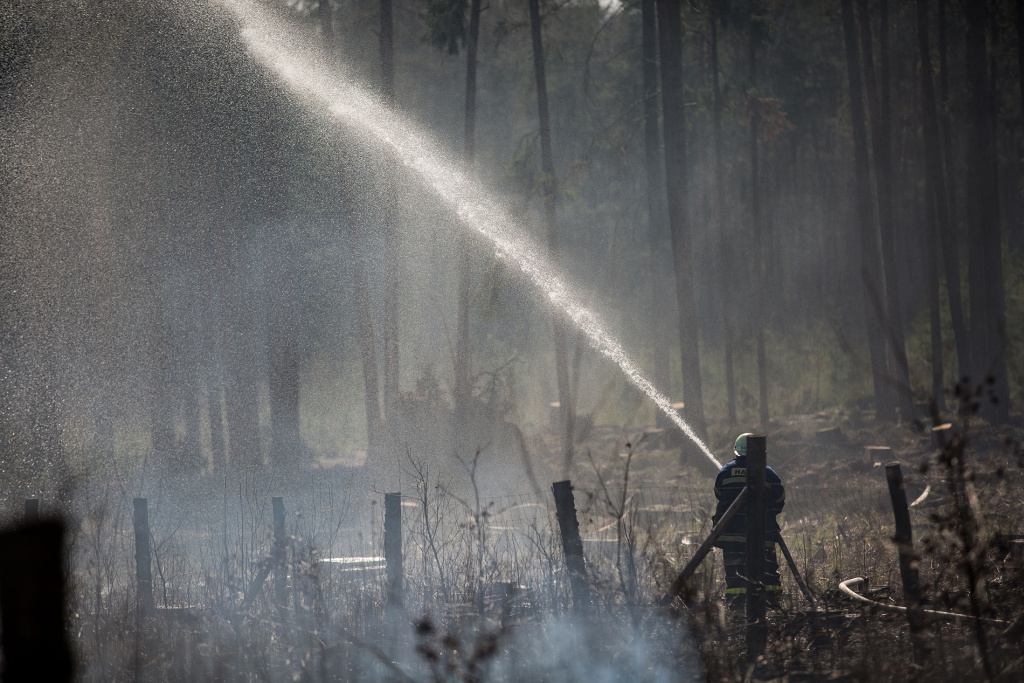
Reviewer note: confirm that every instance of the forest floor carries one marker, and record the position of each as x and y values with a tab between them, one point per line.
967	508
487	596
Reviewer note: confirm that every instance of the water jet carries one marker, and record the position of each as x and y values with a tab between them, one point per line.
303	73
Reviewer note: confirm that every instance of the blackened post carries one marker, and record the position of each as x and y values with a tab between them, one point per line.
35	643
572	544
908	559
280	553
31	510
393	547
757	632
143	560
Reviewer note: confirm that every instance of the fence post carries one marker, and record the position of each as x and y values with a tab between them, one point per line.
31	510
32	596
280	553
904	539
143	560
393	548
572	544
757	632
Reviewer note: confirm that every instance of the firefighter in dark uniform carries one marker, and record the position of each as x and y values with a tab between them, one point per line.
728	484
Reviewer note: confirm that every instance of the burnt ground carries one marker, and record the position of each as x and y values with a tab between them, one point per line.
966	489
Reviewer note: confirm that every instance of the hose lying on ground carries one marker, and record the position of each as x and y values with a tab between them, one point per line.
845	588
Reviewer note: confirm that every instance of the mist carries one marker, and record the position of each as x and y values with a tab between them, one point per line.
282	248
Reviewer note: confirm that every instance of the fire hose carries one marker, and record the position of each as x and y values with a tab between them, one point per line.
845	588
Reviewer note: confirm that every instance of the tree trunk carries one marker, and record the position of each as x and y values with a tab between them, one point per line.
1019	21
945	121
190	449
241	387
720	224
283	364
655	200
463	355
988	317
756	219
950	245
936	196
674	131
567	409
367	343
878	103
391	278
938	400
213	369
161	410
326	24
869	256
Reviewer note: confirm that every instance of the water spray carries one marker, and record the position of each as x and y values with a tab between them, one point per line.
301	71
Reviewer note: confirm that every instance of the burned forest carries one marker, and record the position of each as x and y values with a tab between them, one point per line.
511	340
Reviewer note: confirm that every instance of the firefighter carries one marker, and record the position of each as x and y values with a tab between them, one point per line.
730	481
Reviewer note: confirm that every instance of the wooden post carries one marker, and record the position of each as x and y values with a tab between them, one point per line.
280	554
31	510
35	643
572	544
796	573
706	547
908	560
143	561
393	548
757	632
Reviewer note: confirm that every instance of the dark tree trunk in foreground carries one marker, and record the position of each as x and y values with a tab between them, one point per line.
988	317
870	269
674	131
655	198
568	410
391	278
764	413
888	300
720	223
463	356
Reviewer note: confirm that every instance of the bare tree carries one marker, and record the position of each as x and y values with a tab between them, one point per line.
567	409
878	105
755	36
391	278
656	219
674	130
870	269
463	355
988	315
714	17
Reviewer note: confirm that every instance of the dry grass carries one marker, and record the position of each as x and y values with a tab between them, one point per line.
486	595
